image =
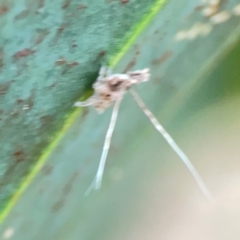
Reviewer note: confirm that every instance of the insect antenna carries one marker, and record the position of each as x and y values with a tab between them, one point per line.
96	184
172	144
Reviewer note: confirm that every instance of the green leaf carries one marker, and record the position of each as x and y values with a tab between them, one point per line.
142	176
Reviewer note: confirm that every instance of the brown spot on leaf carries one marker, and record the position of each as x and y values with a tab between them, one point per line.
68	187
14	113
3	10
64	71
58	205
102	54
66	190
137	49
2	55
30	100
60	62
19	155
162	58
58	33
1	112
61	28
46	121
22	15
54	84
20	101
4	87
74	45
23	53
81	6
66	4
124	1
42	33
41	3
27	103
47	169
72	64
130	65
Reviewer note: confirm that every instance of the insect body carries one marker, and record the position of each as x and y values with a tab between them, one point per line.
110	88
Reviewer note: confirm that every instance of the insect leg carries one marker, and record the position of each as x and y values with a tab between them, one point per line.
104	72
172	143
96	184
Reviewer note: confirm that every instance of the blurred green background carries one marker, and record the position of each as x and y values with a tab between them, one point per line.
147	192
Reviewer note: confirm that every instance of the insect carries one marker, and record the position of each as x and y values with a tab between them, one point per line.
109	89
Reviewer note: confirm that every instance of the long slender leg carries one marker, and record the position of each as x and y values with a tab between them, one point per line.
96	184
104	72
108	71
172	143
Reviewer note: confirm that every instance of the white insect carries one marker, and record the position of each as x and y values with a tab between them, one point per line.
110	88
